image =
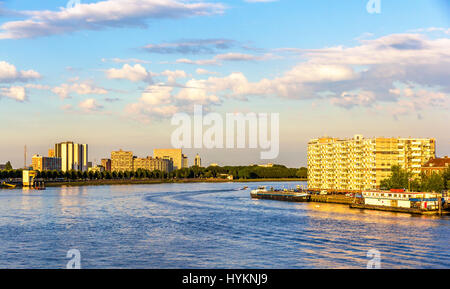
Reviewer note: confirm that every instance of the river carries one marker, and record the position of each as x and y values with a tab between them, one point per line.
207	225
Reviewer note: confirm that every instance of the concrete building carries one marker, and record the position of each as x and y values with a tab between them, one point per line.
436	165
28	177
153	164
51	153
356	164
121	161
73	156
2	167
106	163
176	155
96	169
41	163
198	161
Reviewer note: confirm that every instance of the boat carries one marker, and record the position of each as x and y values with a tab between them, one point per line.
260	189
400	201
280	195
8	186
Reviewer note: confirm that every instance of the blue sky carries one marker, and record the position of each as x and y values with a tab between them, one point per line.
111	73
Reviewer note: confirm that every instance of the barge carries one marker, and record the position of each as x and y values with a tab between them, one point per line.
423	203
284	195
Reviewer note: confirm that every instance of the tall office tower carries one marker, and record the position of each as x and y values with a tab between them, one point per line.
41	163
348	165
197	161
176	155
121	161
73	156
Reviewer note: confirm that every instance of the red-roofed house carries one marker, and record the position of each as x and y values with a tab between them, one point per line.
438	165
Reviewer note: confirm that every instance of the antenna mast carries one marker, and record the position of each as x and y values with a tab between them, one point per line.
25	157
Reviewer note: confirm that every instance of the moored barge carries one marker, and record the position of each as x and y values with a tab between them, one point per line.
282	195
423	203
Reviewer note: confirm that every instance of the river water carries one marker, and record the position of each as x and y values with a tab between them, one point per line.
207	226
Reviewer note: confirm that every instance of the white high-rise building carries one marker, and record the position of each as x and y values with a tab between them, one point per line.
73	156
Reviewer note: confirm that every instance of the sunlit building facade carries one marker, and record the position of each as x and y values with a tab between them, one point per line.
41	163
121	161
106	163
356	164
73	156
198	161
175	155
153	164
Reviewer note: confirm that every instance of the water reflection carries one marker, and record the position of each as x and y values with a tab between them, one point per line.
207	226
70	201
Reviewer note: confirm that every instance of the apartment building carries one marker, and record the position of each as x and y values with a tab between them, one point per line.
153	164
436	166
356	164
41	163
121	161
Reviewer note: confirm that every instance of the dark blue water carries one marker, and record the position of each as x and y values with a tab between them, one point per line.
207	226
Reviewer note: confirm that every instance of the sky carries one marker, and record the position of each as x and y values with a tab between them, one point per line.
112	73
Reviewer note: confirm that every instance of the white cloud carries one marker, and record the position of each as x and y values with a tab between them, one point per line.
133	73
90	105
357	98
198	62
9	73
201	71
103	14
163	101
65	90
172	76
17	93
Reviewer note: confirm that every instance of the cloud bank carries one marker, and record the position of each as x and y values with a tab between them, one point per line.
102	15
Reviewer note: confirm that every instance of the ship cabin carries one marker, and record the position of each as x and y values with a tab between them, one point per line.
402	199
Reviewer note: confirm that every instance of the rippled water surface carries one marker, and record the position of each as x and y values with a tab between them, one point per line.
207	226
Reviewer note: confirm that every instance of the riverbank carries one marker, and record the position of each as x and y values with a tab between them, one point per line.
152	182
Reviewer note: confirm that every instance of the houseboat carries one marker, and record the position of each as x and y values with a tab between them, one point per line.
400	201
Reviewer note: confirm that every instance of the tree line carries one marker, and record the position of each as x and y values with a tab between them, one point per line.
238	172
401	179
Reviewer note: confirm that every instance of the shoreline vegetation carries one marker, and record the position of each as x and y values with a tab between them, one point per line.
212	174
166	181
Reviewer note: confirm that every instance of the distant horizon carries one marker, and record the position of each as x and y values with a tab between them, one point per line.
191	153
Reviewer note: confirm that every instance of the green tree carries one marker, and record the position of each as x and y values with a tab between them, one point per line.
399	179
302	173
433	183
446	178
8	166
